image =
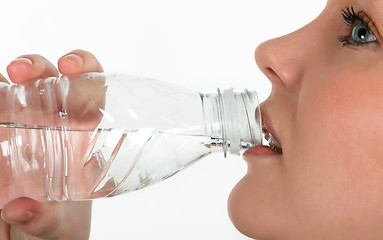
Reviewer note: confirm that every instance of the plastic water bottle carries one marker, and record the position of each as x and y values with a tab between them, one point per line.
98	135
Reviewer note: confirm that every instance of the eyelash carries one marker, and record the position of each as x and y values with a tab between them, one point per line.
351	17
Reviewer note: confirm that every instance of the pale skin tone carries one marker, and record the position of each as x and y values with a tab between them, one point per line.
326	107
24	218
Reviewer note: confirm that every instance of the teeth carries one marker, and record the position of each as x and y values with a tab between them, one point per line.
272	142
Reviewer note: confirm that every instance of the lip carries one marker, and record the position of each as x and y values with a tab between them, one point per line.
261	150
268	125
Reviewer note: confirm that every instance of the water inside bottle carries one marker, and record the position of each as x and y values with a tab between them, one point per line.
59	164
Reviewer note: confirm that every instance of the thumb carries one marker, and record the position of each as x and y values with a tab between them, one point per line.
32	217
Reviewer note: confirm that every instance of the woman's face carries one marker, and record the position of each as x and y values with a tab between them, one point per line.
326	111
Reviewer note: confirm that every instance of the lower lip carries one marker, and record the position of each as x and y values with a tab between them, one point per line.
260	151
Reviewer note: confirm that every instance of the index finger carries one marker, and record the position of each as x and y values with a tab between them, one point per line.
79	61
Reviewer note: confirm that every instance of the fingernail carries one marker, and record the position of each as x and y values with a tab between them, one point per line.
24	60
74	58
23	218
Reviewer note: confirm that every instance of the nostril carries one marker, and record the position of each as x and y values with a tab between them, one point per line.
272	75
270	72
282	60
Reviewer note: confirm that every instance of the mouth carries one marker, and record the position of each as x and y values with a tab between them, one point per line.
273	143
269	132
271	147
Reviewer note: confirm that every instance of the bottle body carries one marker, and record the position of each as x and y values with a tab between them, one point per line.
98	135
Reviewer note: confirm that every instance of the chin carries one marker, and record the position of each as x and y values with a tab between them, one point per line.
240	210
255	211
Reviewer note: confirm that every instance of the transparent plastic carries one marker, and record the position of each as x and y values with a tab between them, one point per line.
97	135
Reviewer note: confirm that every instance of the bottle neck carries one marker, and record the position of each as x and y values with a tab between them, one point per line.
234	118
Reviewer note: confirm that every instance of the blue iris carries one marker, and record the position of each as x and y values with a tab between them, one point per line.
362	34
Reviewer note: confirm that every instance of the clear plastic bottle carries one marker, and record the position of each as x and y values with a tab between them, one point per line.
96	135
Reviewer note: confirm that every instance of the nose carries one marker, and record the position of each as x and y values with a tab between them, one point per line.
282	60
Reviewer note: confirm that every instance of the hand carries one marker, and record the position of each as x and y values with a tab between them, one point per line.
24	218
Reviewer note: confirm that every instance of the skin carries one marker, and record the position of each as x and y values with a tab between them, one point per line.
326	109
24	218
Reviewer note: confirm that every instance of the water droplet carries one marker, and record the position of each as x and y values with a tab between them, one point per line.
42	91
63	114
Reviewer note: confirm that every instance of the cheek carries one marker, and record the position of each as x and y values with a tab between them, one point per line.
334	164
343	113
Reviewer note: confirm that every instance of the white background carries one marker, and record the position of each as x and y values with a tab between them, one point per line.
201	44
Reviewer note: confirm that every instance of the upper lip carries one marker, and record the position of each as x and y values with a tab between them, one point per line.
267	125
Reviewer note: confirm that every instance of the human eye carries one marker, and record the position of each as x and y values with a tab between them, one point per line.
362	29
